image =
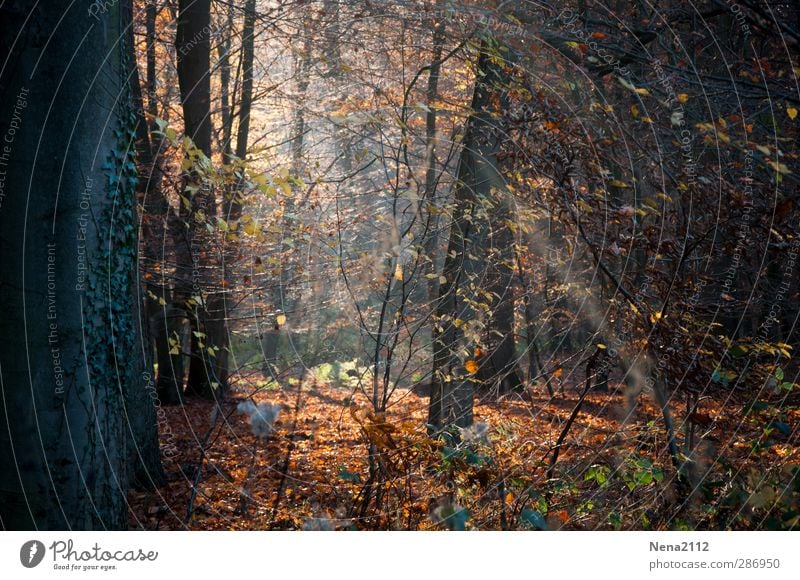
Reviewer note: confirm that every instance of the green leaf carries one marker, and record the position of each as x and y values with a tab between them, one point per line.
737	351
345	475
531	519
456	519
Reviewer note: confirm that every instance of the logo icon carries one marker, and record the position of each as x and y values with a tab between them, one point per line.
32	553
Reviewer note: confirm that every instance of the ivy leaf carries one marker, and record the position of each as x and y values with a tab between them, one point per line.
531	519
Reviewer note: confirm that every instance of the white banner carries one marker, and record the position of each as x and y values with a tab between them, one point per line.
378	555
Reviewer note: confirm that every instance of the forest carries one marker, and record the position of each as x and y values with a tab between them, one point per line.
399	265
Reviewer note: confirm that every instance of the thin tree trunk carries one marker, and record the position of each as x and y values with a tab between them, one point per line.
193	46
433	238
140	407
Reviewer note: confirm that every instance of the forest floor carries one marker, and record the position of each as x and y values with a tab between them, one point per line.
312	472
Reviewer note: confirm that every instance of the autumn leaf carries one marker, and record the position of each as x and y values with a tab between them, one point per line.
280	320
792	112
251	228
471	366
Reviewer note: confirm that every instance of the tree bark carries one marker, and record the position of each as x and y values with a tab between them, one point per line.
193	45
140	409
459	318
68	249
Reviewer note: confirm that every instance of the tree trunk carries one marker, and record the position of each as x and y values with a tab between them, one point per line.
165	321
140	407
68	251
432	238
193	45
459	318
500	370
208	371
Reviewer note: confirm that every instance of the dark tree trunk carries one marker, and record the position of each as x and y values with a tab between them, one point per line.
193	45
460	320
500	371
224	55
246	105
71	376
140	407
164	319
208	371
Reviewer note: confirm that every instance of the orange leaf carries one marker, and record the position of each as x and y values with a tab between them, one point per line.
558	372
471	366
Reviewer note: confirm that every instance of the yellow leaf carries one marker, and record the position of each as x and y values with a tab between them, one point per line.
601	346
398	273
792	112
280	320
683	98
251	228
471	366
779	167
617	183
